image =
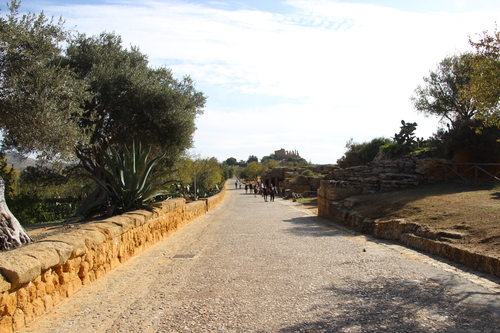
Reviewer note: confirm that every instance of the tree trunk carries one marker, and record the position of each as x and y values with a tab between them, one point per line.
12	234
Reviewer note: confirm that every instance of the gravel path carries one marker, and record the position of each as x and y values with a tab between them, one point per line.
255	266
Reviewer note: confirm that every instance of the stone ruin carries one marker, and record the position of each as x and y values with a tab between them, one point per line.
337	183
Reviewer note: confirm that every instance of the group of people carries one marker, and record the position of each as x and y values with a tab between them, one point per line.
267	192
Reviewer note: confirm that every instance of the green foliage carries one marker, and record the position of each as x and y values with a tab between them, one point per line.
405	142
9	175
231	161
130	182
44	194
201	177
40	99
406	135
309	173
270	163
253	170
269	157
444	93
31	207
361	153
252	158
485	80
96	94
466	142
132	101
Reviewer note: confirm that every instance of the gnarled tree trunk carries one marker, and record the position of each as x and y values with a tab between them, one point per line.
12	233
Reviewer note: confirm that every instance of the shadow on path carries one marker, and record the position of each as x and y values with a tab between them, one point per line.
395	305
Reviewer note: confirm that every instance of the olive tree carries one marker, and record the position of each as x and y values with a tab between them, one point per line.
443	93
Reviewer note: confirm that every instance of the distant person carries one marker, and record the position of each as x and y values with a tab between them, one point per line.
236	185
264	193
271	193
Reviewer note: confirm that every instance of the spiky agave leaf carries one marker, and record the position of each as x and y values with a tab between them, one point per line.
130	179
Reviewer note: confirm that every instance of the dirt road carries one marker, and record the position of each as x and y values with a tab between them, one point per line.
255	266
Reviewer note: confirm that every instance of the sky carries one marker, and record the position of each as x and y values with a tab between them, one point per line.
302	75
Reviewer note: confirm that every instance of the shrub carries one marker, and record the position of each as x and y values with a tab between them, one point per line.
361	153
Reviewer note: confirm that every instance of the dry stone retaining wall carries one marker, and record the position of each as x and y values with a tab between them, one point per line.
38	276
410	234
334	203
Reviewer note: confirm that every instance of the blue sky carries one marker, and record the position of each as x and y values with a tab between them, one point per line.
303	75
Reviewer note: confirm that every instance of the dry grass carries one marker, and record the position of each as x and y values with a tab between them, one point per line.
471	211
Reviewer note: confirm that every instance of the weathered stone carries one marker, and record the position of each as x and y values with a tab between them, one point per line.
350	203
6	324
43	252
18	320
4	284
19	268
63	249
10	302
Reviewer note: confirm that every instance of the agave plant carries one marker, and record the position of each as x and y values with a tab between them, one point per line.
130	182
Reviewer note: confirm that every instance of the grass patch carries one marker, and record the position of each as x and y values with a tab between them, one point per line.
308	201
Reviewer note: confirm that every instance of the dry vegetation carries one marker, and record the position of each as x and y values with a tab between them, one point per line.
473	212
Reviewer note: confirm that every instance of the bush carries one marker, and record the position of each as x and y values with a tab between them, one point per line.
479	144
361	153
31	208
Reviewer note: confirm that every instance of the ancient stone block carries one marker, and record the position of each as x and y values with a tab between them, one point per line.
19	268
18	320
6	324
22	298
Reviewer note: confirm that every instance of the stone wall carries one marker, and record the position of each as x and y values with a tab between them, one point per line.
292	179
411	234
334	203
38	276
380	175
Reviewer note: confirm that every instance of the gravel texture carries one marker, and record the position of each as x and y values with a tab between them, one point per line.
255	266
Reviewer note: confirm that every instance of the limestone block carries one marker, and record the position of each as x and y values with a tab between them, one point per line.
40	290
9	302
18	320
431	167
64	278
49	287
139	216
350	203
63	249
6	324
92	237
125	222
48	303
29	314
76	243
22	298
38	307
44	252
19	268
4	284
32	291
110	229
84	270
